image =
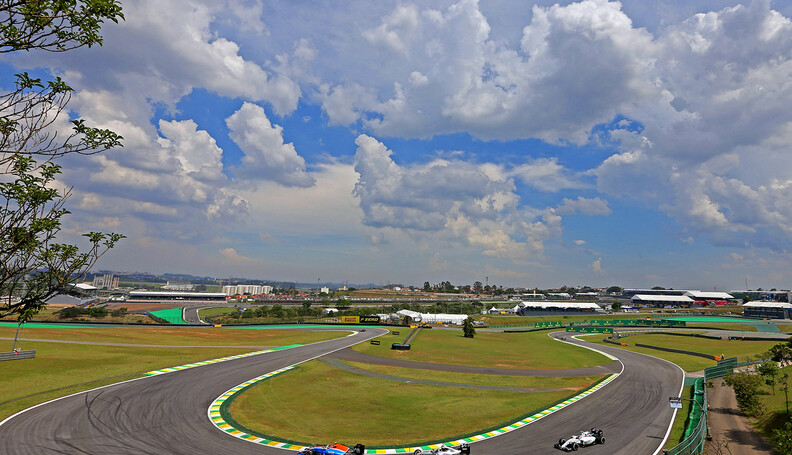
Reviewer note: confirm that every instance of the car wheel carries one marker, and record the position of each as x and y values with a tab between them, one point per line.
561	441
574	446
417	452
602	440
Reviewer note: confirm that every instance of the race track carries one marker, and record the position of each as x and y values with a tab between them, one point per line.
167	414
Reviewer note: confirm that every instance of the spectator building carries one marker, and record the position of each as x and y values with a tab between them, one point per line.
710	298
767	310
660	301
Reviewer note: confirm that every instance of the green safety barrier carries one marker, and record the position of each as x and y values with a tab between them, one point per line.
590	329
639	322
615	323
696	406
550	324
696	432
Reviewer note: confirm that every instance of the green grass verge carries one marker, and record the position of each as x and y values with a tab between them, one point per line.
51	314
531	350
735	327
306	405
482	379
179	336
680	422
732	348
214	311
61	369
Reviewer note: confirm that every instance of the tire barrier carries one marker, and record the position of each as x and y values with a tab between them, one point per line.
17	355
742	338
678	351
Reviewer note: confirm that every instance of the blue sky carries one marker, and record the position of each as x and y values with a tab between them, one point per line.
592	143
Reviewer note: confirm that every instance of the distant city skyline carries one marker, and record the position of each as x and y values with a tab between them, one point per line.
594	143
189	279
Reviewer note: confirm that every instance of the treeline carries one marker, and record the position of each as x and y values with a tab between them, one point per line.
279	313
93	312
750	387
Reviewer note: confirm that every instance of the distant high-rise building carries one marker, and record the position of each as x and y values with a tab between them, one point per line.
251	289
106	281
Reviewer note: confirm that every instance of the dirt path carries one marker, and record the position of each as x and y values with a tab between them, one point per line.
728	425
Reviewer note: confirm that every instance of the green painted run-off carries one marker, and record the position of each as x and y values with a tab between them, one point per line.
173	316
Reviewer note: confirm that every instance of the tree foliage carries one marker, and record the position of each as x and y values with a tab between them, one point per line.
783	439
54	25
746	388
769	371
468	329
33	265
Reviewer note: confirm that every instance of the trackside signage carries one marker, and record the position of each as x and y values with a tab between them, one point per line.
675	402
360	319
590	329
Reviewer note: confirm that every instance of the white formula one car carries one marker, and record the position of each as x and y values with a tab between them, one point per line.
585	438
464	449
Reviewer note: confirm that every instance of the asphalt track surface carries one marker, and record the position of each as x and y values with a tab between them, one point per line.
167	414
191	314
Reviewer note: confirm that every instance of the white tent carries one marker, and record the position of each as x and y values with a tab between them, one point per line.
414	315
662	299
702	295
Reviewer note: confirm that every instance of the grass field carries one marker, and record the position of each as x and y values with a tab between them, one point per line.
305	405
60	369
488	349
481	379
689	363
180	336
50	314
214	311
